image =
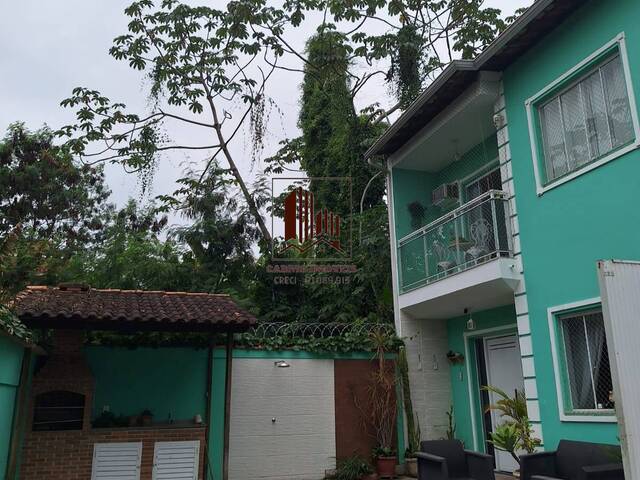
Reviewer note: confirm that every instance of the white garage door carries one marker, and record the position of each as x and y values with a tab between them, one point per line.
300	444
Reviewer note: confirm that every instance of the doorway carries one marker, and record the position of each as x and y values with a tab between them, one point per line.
503	369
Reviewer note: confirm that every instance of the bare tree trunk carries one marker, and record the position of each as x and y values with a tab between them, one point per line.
253	208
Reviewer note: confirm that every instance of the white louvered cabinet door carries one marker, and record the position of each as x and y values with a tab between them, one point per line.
176	460
116	461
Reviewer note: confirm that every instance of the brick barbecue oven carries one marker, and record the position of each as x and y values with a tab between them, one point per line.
59	441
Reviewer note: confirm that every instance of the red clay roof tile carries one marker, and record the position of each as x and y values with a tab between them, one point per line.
77	306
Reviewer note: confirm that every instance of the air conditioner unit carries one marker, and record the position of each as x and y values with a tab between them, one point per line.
445	195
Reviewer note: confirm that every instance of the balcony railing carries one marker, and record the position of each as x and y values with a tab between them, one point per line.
464	238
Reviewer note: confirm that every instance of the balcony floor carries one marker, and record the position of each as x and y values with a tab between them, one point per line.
485	286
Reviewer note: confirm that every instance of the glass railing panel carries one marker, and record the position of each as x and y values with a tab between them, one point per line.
462	239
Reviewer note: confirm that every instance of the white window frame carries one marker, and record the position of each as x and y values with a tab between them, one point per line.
553	313
530	105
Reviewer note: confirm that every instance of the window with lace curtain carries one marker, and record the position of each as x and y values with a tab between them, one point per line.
587	120
584	118
588	384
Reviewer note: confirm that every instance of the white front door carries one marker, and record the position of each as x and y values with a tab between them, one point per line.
504	371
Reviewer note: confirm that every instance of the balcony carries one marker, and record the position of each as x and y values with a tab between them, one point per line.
436	261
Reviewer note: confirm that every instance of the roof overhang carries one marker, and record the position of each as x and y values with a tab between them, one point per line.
465	123
128	326
536	22
71	306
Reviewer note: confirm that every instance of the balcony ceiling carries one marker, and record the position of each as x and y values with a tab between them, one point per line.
466	123
487	286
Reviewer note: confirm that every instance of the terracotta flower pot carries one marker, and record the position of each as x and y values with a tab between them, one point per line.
412	467
386	467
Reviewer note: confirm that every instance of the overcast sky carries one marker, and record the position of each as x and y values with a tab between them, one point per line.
49	47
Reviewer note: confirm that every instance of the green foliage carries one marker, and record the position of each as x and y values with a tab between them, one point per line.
351	468
334	137
12	325
109	420
405	73
515	433
451	424
506	437
513	407
50	208
413	425
285	340
132	254
44	190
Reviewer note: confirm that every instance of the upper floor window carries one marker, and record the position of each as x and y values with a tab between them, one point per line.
587	120
58	410
584	118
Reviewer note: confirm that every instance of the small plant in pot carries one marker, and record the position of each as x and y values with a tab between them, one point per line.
146	418
386	460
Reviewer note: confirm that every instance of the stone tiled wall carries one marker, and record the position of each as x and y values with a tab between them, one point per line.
429	375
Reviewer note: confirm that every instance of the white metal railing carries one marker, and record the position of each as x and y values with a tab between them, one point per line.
462	239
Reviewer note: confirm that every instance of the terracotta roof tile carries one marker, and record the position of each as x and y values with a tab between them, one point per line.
78	306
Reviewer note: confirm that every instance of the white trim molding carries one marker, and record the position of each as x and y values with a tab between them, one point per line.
537	158
395	274
552	314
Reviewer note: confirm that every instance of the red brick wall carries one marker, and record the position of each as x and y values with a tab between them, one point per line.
68	455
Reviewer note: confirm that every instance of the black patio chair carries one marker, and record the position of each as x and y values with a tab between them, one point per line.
574	461
448	460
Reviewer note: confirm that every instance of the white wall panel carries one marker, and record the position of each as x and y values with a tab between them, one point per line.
300	444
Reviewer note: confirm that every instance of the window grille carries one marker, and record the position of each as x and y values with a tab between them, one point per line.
587	120
587	361
58	410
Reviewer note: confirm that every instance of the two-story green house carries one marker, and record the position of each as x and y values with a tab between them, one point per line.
508	178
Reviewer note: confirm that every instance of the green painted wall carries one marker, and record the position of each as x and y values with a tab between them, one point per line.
592	217
164	380
416	185
11	354
456	328
174	380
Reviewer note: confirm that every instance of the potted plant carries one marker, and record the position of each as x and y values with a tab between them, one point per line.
386	460
413	425
351	468
455	357
378	410
515	434
417	213
414	446
146	417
